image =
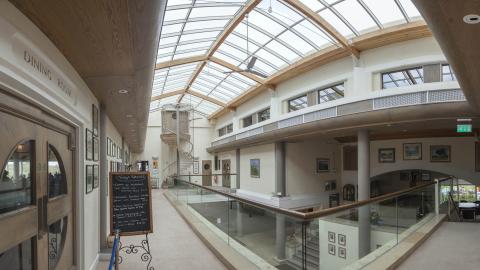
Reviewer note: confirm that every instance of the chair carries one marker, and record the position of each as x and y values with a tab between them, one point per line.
462	201
477	209
468	213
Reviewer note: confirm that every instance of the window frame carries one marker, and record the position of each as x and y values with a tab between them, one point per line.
295	98
262	111
409	78
225	130
330	86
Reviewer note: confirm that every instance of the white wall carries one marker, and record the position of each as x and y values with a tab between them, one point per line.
265	184
19	40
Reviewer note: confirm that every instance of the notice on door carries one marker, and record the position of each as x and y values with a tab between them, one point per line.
130	203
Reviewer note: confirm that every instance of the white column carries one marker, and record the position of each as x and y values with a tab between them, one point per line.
280	188
275	104
363	148
437	197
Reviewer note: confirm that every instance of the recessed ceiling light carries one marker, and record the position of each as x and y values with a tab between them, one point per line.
131	124
472	19
123	91
129	115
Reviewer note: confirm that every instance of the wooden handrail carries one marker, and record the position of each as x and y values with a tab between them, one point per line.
318	213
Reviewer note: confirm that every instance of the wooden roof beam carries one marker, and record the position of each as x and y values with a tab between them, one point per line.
322	23
181	61
237	69
169	94
207	98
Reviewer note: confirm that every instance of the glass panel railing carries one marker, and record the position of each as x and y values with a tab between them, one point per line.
346	236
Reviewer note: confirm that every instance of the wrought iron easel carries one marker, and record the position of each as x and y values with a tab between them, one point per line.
118	247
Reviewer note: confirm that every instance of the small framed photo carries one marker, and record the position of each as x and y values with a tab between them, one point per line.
255	168
96	177
96	148
95	119
88	144
342	239
440	153
331	237
323	165
331	249
342	252
88	178
386	155
412	151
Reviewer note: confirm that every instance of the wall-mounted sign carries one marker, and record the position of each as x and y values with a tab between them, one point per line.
464	128
130	203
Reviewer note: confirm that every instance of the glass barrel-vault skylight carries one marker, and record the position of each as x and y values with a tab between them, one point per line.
278	36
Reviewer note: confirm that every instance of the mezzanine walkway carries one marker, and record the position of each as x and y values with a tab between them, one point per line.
174	245
455	245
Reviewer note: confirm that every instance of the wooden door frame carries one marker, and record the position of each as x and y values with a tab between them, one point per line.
18	106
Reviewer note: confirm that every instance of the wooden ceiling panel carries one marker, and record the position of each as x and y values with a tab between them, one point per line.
112	44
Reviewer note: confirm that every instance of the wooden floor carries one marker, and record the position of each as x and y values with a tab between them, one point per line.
455	245
174	245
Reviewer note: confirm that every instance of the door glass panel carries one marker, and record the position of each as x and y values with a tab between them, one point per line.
17	258
57	182
56	241
16	178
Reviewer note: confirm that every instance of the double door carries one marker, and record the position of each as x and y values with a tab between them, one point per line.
36	194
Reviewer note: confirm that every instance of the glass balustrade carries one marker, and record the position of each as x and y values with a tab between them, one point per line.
349	236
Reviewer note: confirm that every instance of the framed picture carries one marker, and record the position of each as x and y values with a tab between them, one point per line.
412	151
331	249
108	147
342	239
88	144
342	252
95	120
96	177
330	185
255	168
88	178
331	237
386	155
323	165
440	153
96	148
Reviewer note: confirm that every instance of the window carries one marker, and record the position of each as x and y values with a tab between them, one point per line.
247	121
57	183
331	93
16	178
216	163
403	77
447	73
225	130
297	103
264	115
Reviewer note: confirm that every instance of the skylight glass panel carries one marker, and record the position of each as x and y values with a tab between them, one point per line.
194	36
173	28
205	82
189	54
314	5
200	88
222	96
300	44
241	78
210	79
175	14
338	24
386	11
205	24
277	62
264	68
356	15
165	51
313	33
239	40
164	59
197	45
231	51
178	2
410	9
282	50
168	40
279	11
252	33
214	11
207	107
264	22
227	58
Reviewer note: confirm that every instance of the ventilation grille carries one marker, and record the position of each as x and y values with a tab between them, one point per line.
319	115
400	100
225	140
446	96
290	122
249	133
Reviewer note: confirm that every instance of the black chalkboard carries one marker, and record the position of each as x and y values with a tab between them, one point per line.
130	203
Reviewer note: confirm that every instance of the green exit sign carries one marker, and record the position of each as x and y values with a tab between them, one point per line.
464	128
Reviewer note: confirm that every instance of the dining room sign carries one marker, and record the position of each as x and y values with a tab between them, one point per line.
130	203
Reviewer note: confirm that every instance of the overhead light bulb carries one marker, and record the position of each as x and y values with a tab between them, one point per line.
122	91
472	19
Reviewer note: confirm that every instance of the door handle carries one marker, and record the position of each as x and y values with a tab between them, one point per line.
42	216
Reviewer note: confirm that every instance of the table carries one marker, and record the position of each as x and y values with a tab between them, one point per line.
468	207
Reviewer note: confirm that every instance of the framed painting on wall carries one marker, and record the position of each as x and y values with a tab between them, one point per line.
412	151
323	165
88	144
386	155
331	237
342	252
255	168
440	153
331	249
96	149
342	239
96	177
88	178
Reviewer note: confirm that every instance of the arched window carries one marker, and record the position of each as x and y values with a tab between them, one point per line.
17	177
57	182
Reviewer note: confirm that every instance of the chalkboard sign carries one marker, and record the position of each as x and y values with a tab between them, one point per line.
130	203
